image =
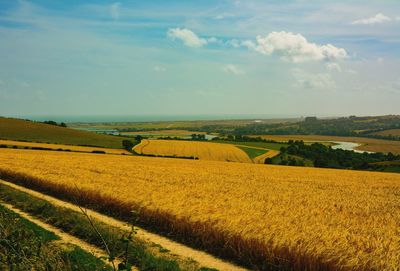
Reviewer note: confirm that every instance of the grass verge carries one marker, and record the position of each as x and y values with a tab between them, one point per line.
76	224
251	152
26	246
267	145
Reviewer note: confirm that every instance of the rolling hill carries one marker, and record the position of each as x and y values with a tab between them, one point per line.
25	130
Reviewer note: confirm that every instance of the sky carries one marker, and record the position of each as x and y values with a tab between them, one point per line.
272	58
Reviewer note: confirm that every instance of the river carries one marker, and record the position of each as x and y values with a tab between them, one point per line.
348	146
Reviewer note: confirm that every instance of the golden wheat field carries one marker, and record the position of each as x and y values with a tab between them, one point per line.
200	150
350	218
61	146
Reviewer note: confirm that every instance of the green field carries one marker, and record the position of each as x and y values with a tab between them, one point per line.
148	125
23	130
266	145
251	152
277	160
387	166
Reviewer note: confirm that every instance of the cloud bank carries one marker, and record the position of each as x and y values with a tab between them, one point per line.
289	46
294	48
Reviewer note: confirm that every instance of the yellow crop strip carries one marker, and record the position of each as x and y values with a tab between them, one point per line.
196	149
349	219
261	159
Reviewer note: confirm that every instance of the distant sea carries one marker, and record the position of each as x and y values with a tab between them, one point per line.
145	118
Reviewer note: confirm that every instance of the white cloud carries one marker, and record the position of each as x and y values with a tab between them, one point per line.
249	44
313	80
234	43
398	18
377	19
115	10
159	69
295	48
333	67
188	37
232	69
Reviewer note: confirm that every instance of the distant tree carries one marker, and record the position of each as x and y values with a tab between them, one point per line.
292	162
138	138
283	162
310	119
268	161
127	144
391	156
51	122
300	163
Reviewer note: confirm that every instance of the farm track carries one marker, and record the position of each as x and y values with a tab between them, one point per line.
203	258
65	238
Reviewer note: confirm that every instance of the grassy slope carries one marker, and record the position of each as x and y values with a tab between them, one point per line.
17	129
251	152
26	246
142	255
271	146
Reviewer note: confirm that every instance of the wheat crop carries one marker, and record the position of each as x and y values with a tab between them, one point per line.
309	218
195	149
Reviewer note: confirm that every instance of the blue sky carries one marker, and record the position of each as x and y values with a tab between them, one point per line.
282	58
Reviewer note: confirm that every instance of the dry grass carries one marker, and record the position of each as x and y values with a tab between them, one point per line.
367	144
261	215
60	146
200	150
